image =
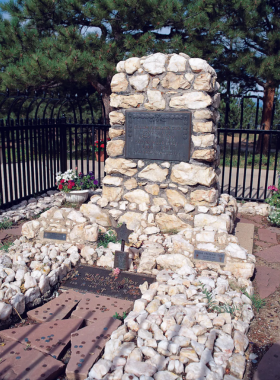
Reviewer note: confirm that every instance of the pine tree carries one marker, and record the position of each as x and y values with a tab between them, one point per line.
241	39
74	43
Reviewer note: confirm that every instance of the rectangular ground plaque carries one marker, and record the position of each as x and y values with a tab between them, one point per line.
158	135
209	256
103	282
121	260
54	236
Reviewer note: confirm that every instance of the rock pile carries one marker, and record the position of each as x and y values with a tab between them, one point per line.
29	272
254	208
175	329
32	207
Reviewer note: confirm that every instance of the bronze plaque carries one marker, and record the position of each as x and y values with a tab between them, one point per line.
121	260
158	135
54	235
209	256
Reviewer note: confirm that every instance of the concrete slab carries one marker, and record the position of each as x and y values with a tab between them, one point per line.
86	346
269	366
245	234
271	255
50	337
267	235
57	309
19	363
91	307
267	279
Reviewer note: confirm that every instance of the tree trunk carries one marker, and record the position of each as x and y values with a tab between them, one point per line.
108	108
269	92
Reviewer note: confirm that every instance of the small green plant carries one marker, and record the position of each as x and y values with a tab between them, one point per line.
212	306
5	247
105	239
118	316
172	231
5	224
257	302
37	216
274	202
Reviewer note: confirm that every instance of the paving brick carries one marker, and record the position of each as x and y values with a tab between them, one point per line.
50	337
271	255
269	366
93	306
86	346
19	363
267	279
262	244
245	234
266	235
58	308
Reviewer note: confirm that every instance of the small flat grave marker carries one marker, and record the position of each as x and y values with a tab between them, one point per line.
49	235
216	257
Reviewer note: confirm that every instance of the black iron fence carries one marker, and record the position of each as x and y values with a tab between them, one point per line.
239	111
248	162
40	136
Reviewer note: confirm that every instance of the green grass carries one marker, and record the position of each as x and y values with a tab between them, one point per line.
257	302
6	246
249	160
105	239
6	224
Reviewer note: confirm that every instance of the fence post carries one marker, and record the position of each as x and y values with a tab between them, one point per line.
63	144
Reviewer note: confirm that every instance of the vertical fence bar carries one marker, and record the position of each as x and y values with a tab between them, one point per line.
32	156
47	155
93	148
230	166
267	166
35	130
253	165
245	166
23	159
2	151
51	154
11	196
276	156
41	125
27	157
70	144
44	154
15	177
238	163
260	164
76	145
99	163
87	138
82	148
5	177
19	160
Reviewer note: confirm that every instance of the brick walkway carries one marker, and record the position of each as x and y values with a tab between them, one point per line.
33	351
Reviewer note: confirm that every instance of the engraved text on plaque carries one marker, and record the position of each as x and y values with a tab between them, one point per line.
158	135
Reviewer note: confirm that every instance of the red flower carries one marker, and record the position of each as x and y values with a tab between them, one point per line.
60	187
62	181
102	146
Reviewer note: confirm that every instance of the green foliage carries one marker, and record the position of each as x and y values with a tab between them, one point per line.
258	303
212	305
117	316
5	247
5	224
105	239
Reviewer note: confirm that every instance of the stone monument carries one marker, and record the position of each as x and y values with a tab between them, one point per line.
162	170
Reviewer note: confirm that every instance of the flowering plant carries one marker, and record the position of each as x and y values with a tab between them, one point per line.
274	202
100	144
72	180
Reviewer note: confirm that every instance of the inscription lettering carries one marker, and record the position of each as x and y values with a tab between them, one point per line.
209	256
54	235
158	135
